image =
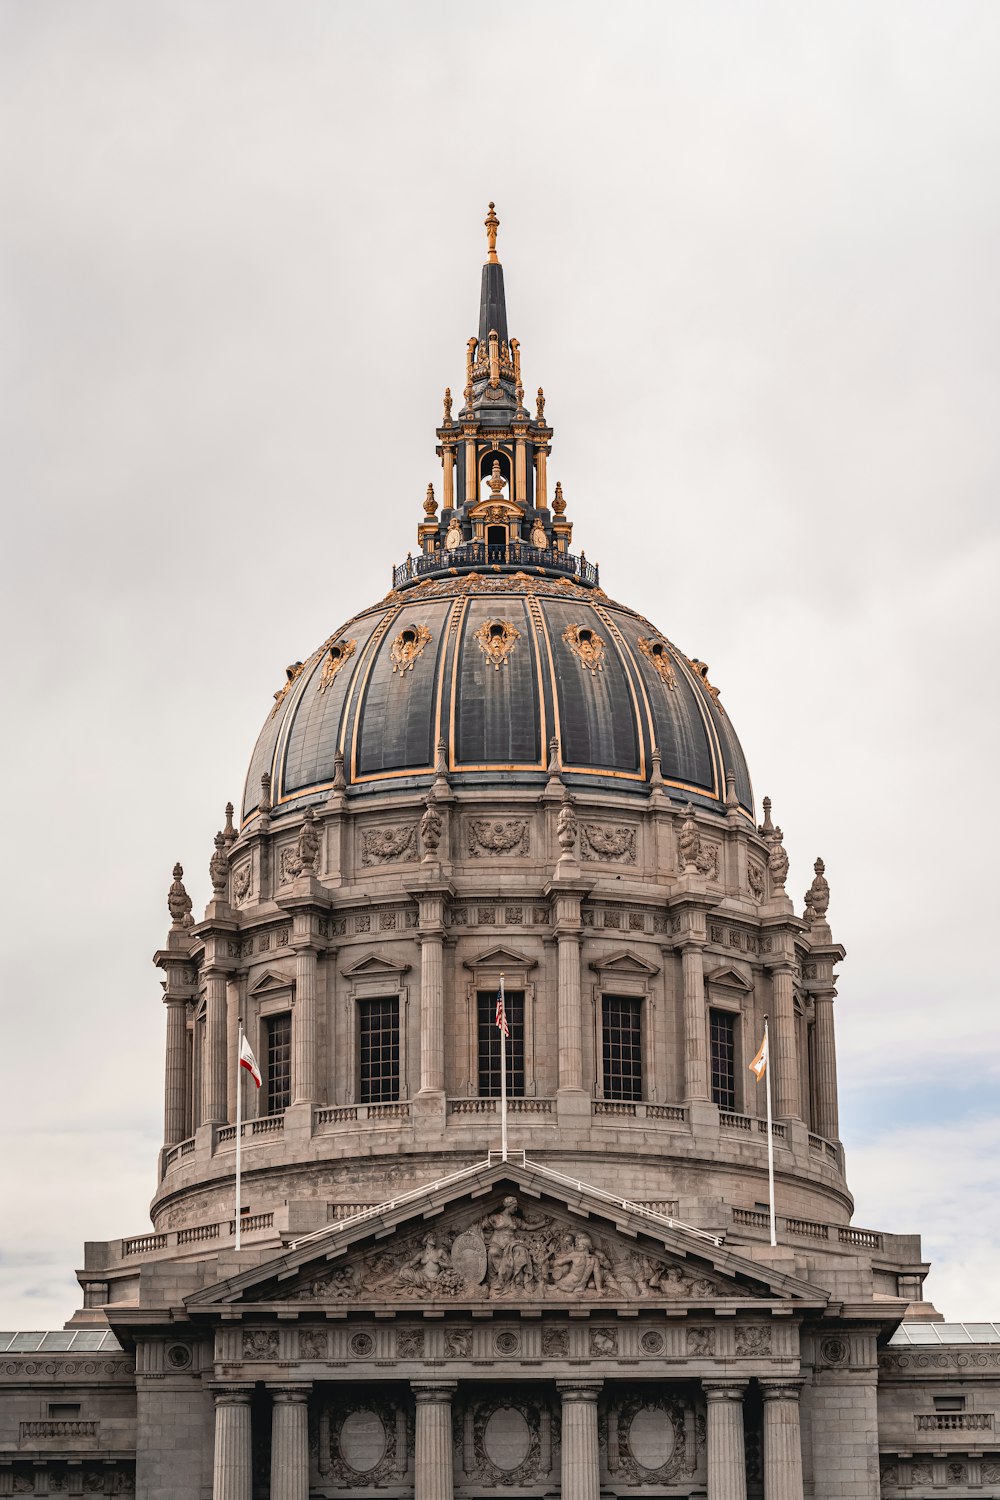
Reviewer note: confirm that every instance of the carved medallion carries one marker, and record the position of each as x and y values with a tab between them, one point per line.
259	1343
365	1447
338	656
614	844
499	836
380	846
507	1443
647	1440
752	1340
407	646
656	653
496	639
241	883
586	645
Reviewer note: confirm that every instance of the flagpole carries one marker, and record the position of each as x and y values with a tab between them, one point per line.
503	1077
239	1124
770	1134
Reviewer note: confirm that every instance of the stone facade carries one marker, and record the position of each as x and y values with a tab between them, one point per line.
500	777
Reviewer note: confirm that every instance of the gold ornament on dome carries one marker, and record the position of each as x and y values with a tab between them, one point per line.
587	645
656	652
407	646
291	672
337	657
701	668
496	640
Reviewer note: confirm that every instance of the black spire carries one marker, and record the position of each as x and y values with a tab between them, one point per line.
492	303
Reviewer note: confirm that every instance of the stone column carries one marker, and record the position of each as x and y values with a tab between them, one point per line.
290	1442
213	1070
827	1121
570	1019
434	1476
431	1013
304	1071
695	1024
541	477
581	1461
782	1441
727	1462
448	499
232	1474
786	1081
174	1101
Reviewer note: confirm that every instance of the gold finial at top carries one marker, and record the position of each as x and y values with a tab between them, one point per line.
492	225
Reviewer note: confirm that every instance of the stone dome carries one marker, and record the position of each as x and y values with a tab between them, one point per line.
478	675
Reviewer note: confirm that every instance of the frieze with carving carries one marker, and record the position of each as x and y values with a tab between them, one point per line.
586	645
381	846
616	845
408	645
655	651
497	836
336	658
510	1252
496	640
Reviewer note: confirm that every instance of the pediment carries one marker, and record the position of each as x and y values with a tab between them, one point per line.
731	977
373	963
508	1236
624	962
271	979
500	957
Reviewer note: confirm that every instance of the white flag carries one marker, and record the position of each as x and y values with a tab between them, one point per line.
759	1065
248	1061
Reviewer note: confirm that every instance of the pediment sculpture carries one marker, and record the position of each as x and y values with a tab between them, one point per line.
510	1252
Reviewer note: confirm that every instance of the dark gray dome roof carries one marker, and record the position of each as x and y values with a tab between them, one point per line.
496	668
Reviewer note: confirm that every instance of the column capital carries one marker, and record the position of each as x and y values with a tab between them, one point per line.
433	1392
289	1394
232	1395
781	1388
724	1390
580	1390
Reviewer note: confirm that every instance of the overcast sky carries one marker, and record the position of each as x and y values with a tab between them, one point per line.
752	254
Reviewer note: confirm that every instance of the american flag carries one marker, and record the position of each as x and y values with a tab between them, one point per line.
501	1018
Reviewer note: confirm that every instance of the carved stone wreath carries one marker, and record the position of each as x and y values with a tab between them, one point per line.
587	646
338	656
528	1468
387	1468
755	880
500	836
614	844
655	651
408	645
496	640
670	1412
380	846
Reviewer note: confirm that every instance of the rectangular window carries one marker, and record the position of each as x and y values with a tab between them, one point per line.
278	1063
622	1046
489	1044
379	1031
722	1032
949	1403
64	1411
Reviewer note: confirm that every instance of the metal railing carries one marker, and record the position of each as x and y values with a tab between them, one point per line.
482	555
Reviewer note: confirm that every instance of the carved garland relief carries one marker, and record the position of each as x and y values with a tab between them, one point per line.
381	846
614	844
586	645
408	645
497	836
241	883
496	640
